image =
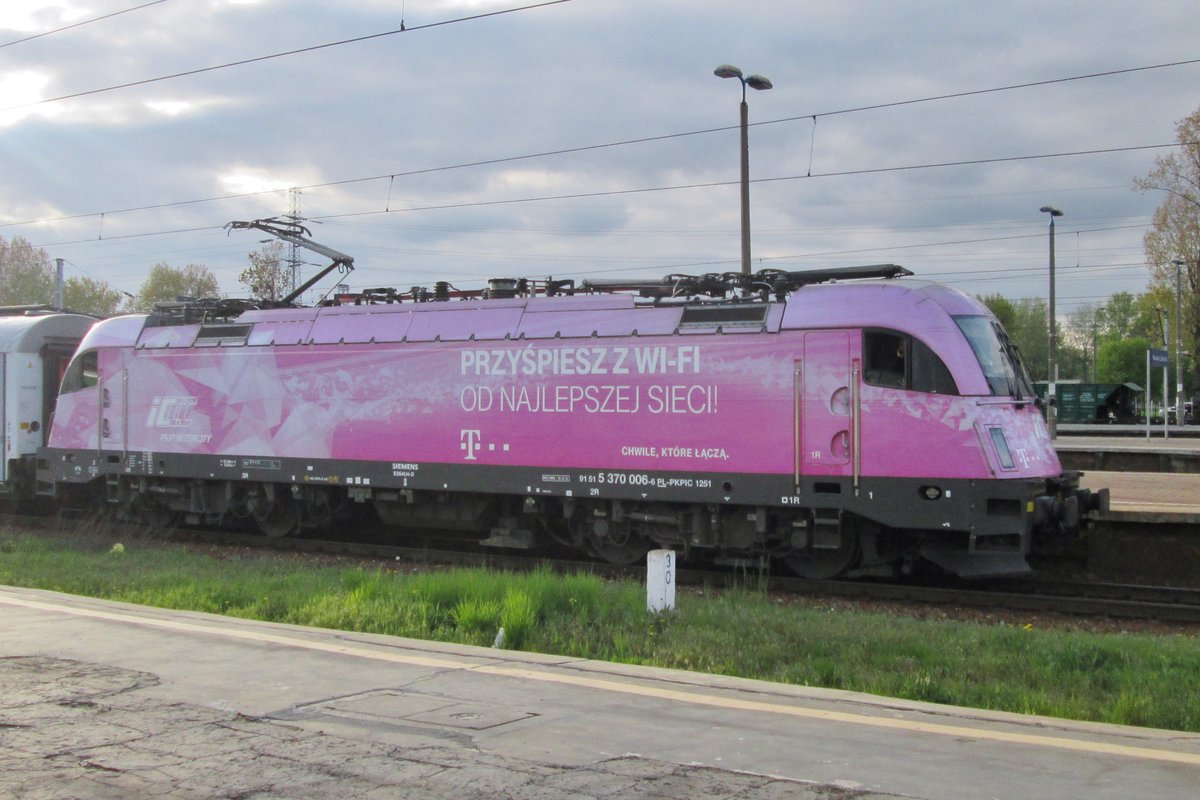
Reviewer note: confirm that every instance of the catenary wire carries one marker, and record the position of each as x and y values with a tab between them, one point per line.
298	51
622	143
606	193
81	23
714	184
648	139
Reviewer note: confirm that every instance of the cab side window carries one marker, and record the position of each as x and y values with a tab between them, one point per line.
884	358
83	373
928	373
900	361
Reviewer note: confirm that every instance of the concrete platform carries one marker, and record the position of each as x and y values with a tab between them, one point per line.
107	700
1156	428
1151	534
1130	453
1188	446
1149	496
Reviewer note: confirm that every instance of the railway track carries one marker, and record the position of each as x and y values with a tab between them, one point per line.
1120	601
1076	598
1079	598
1164	602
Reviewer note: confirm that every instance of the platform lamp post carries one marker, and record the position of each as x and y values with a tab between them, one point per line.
1178	262
1052	391
754	82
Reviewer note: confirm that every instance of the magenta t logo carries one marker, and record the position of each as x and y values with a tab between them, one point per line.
469	441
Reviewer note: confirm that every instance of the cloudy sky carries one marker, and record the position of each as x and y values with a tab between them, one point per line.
590	138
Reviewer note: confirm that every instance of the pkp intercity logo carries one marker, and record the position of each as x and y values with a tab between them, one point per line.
170	412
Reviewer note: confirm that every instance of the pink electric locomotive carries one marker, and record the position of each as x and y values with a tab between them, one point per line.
847	422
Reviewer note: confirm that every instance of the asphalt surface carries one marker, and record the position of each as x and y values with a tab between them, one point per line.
108	700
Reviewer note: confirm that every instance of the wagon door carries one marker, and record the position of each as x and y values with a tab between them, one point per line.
825	399
55	358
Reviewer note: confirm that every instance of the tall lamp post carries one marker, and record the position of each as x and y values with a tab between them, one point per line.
754	82
1052	391
1178	262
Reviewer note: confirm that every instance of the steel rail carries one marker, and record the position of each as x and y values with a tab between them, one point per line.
1073	598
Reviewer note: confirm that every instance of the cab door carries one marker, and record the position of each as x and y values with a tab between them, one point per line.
112	400
825	400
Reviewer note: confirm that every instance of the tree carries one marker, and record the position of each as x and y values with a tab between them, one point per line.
267	278
1032	336
1124	361
166	284
1002	307
1125	315
90	296
1176	232
1082	334
1074	359
26	277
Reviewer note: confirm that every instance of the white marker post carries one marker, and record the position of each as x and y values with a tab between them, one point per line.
660	580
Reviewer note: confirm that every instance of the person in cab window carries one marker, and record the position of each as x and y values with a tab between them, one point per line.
883	353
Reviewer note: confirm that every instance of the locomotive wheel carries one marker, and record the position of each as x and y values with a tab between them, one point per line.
619	544
822	565
278	518
151	512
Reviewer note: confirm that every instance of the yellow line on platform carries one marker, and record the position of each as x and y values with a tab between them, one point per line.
641	689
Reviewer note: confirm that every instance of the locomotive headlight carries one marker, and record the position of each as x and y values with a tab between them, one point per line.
931	492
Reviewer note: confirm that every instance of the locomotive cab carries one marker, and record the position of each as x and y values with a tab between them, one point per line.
942	442
1063	506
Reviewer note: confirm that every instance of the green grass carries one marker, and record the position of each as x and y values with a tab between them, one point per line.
1119	678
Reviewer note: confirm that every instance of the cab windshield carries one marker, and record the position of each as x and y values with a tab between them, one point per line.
998	357
83	373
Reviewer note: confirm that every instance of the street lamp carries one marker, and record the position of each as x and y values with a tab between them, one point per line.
754	82
1178	262
1052	392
